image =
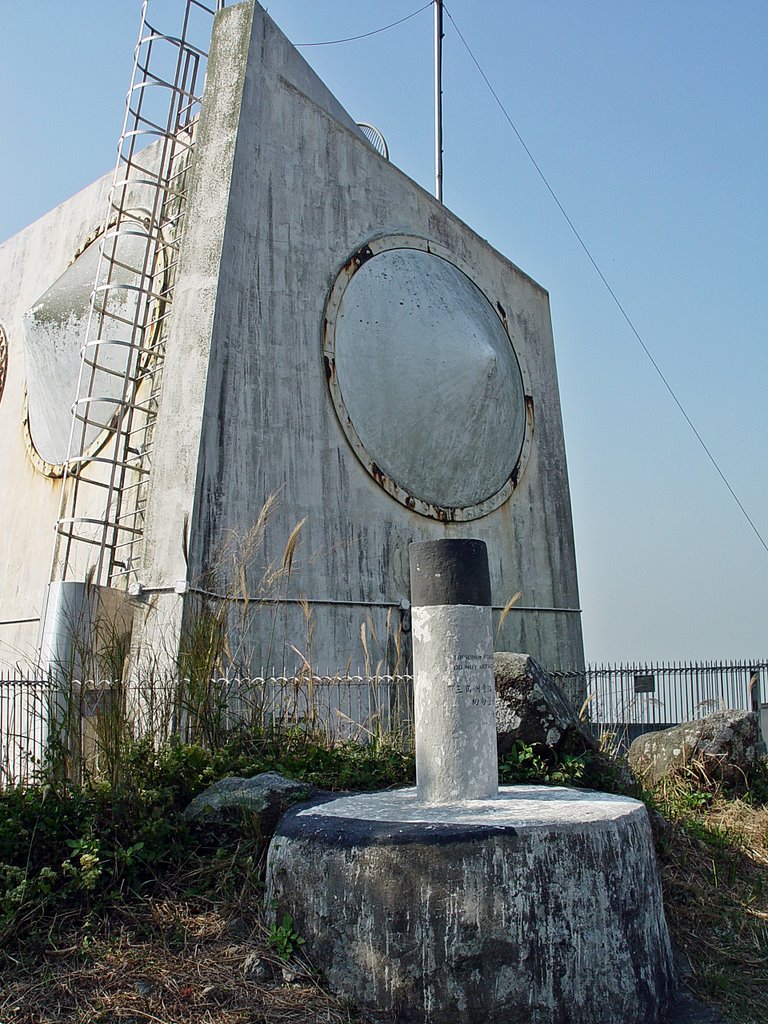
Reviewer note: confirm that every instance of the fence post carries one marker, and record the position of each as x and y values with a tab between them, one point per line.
754	690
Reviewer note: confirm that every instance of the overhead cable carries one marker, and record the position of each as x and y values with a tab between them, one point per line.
610	290
373	32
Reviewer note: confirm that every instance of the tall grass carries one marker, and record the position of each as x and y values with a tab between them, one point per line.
106	697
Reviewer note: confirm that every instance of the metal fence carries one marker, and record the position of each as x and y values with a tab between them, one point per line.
24	717
84	725
79	727
631	699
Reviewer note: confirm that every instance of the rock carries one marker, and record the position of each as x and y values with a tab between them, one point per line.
291	975
685	969
256	968
659	825
267	795
688	1010
723	747
531	707
238	928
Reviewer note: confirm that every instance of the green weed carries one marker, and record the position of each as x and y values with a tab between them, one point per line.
91	846
284	939
535	763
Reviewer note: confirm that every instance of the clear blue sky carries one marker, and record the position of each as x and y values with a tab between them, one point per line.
649	121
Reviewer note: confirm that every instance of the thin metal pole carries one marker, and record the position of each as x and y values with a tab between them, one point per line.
438	4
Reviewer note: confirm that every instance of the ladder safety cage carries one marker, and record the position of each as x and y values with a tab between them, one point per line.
109	457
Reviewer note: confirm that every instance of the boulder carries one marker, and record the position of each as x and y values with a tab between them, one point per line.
723	747
531	707
687	1010
266	796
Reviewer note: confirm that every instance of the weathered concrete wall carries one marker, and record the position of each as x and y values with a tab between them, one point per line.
51	260
30	263
285	191
200	287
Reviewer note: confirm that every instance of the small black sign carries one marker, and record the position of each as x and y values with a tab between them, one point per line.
645	684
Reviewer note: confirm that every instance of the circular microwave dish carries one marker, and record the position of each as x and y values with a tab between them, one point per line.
425	380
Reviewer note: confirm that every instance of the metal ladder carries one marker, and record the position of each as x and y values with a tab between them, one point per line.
101	520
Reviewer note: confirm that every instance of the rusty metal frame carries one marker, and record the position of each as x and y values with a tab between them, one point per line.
54	470
3	361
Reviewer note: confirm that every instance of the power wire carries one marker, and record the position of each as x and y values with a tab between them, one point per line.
610	290
374	32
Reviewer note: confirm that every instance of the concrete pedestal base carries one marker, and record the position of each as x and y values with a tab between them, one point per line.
541	906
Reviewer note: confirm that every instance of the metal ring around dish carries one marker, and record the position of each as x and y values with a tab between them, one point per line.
56	470
446	512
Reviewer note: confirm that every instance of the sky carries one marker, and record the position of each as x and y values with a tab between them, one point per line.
648	122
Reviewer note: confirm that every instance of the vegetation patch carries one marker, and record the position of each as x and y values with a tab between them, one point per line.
713	852
91	847
114	909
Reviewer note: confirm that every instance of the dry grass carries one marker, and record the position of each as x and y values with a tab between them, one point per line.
714	863
167	962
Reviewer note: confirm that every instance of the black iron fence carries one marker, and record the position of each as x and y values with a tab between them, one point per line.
84	725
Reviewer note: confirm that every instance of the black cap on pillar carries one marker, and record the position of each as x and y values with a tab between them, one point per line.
450	571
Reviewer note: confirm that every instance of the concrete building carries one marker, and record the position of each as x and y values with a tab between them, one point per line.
341	352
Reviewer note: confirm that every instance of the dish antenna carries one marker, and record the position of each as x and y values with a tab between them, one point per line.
374	136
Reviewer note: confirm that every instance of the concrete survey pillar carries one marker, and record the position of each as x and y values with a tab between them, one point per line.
454	689
411	900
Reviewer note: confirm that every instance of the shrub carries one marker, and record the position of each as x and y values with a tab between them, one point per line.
91	846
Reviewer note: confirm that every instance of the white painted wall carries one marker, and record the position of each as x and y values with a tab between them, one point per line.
30	263
29	501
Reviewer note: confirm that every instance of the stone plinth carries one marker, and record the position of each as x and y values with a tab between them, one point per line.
542	905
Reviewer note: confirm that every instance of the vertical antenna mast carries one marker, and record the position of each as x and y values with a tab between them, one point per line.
438	4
